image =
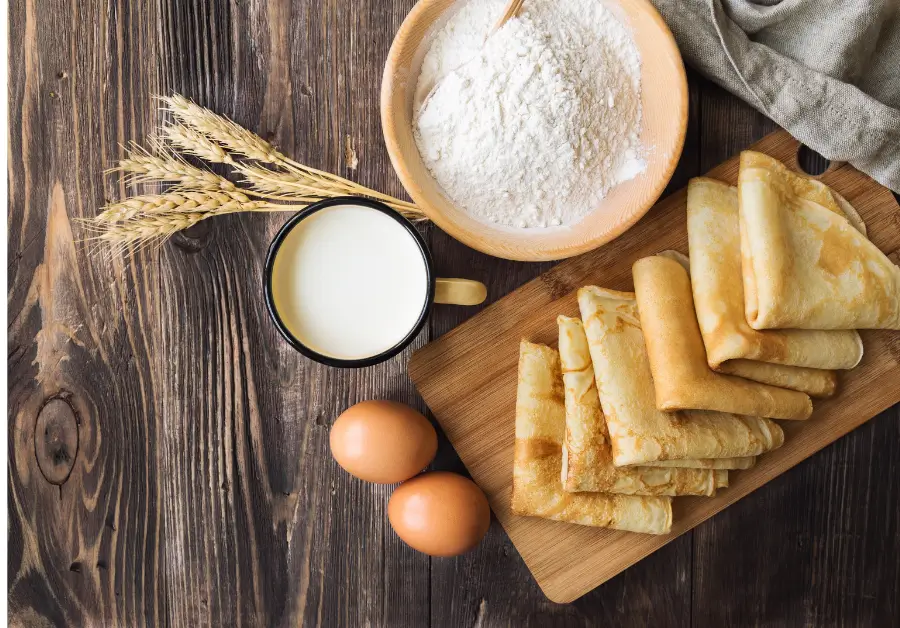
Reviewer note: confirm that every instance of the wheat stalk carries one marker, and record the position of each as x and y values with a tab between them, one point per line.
147	219
276	183
221	131
286	186
166	166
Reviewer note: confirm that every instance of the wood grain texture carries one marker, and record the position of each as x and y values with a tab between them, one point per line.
195	487
475	405
85	532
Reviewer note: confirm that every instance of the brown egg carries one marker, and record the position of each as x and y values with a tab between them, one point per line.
382	441
439	513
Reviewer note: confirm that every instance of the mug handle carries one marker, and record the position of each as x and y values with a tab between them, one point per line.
459	291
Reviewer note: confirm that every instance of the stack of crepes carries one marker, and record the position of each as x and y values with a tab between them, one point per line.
660	392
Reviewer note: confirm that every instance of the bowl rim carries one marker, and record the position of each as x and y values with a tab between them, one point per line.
393	80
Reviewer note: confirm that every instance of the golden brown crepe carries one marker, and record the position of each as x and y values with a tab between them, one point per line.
813	382
639	432
746	462
681	376
732	346
721	478
540	425
805	265
586	456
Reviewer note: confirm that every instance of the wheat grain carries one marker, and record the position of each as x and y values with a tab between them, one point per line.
237	139
140	166
222	130
195	143
199	194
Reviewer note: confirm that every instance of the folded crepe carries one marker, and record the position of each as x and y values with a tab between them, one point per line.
805	264
790	358
746	462
721	478
639	432
813	382
587	456
681	376
540	425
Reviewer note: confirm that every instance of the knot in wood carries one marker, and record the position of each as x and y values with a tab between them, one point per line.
56	440
193	239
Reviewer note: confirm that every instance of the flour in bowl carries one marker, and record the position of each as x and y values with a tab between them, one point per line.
534	126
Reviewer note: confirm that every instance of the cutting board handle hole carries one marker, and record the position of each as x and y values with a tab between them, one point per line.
811	162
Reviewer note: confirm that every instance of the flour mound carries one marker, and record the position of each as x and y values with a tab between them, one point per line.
534	126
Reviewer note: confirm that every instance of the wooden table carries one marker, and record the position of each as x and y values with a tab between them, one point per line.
169	456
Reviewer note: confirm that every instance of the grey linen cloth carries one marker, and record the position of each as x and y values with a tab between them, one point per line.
828	71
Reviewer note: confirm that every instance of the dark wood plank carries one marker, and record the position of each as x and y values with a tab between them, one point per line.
85	531
490	584
816	546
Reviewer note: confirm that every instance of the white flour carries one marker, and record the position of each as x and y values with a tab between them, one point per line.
533	127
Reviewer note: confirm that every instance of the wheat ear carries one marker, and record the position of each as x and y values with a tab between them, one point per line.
181	201
194	143
166	166
218	130
151	218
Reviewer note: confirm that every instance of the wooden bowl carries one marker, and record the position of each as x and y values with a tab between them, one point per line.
664	98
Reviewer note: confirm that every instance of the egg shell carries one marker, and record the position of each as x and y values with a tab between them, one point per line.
439	513
382	441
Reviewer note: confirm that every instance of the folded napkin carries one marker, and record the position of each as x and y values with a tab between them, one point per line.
825	70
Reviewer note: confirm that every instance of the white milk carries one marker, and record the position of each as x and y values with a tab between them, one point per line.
349	282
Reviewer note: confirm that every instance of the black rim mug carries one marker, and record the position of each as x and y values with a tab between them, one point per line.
440	290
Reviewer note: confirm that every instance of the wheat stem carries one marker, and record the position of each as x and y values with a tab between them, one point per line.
350	187
198	194
280	185
211	128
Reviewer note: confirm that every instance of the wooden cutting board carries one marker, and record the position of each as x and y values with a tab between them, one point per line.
468	379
